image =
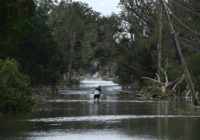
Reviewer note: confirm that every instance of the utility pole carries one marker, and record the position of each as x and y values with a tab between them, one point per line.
70	59
183	63
160	40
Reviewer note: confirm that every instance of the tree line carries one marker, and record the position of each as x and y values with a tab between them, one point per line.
47	41
151	57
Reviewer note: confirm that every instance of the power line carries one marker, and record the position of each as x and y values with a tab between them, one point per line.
189	40
190	10
184	25
183	63
187	46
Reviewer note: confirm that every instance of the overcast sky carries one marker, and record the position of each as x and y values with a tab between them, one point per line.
106	7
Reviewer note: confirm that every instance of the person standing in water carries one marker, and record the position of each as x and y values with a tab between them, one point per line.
97	93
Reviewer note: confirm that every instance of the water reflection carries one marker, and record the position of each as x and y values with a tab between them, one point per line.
73	114
103	118
91	135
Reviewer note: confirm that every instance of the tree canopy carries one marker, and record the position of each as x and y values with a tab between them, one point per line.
49	39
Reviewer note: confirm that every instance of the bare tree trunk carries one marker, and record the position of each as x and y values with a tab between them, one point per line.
186	72
160	41
178	83
70	59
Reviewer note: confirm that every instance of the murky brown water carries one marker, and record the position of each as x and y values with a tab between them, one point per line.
73	115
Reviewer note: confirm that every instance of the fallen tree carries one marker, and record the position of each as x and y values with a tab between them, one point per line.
162	87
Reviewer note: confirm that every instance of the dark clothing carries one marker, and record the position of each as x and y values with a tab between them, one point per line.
98	88
97	92
96	96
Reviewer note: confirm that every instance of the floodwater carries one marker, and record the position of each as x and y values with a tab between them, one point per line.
73	115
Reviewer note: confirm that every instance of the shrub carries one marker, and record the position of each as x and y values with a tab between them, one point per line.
152	91
193	64
15	92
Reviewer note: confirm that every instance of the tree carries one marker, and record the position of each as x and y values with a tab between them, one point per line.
137	40
139	22
15	93
73	25
40	56
16	19
26	37
105	45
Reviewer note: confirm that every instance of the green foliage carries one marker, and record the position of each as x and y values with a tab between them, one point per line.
40	37
26	37
152	91
174	72
16	19
136	61
105	43
40	56
75	80
15	92
69	18
137	56
193	63
136	51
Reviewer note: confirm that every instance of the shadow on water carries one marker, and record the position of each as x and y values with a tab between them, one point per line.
74	115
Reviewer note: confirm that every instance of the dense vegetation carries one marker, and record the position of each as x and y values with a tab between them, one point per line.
141	49
15	93
51	42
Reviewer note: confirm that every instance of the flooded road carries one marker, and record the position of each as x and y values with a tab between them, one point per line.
73	115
